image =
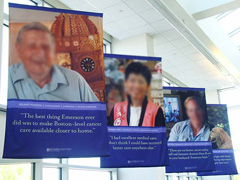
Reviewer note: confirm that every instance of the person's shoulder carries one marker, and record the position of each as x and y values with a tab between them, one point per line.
15	67
181	124
154	105
121	103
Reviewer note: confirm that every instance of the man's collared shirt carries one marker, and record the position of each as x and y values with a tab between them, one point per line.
182	131
65	85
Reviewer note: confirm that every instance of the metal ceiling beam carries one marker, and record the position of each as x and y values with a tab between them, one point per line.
187	26
216	10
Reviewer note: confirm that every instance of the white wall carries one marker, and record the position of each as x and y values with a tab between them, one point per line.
212	97
141	173
139	45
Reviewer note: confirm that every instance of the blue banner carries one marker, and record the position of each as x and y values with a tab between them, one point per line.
136	147
190	157
224	162
45	129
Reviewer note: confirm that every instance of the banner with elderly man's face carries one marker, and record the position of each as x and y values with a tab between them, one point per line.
56	84
188	130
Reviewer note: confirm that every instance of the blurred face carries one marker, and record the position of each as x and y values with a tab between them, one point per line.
37	52
136	85
194	113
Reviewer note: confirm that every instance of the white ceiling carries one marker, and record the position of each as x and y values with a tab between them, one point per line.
127	18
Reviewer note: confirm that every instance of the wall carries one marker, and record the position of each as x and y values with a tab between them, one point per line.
212	97
139	45
141	173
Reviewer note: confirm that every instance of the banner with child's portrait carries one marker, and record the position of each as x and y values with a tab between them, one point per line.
56	86
134	97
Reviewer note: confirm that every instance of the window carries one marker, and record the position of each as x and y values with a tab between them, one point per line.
232	99
16	171
230	23
27	2
182	176
73	168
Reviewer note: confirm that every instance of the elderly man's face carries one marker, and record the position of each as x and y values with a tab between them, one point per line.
194	113
37	52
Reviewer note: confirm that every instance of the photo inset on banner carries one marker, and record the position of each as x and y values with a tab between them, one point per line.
220	131
186	114
55	56
134	91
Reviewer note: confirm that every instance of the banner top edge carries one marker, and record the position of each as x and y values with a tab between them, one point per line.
184	88
149	58
14	5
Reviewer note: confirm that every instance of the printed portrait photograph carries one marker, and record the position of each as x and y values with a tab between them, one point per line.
55	56
134	93
220	135
186	115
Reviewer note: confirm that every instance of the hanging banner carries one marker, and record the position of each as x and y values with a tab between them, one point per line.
56	87
134	97
188	130
136	147
220	135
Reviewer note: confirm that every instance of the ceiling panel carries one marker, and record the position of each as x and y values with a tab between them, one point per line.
196	56
162	26
151	16
164	47
143	29
180	60
113	28
159	39
189	50
131	22
118	11
102	3
171	34
138	5
181	42
80	5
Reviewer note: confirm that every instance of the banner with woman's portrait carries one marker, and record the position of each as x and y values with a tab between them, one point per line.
56	86
136	123
188	130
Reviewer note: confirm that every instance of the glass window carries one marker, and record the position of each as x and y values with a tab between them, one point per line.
91	162
230	97
74	174
15	171
26	2
51	160
50	173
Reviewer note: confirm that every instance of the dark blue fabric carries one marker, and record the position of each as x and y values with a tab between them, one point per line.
181	160
224	162
149	58
129	157
56	145
13	5
183	88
